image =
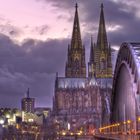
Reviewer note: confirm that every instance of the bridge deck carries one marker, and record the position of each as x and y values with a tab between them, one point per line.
101	137
96	137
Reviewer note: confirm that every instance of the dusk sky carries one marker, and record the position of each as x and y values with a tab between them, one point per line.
34	35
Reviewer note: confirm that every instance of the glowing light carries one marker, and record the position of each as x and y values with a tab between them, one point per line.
30	120
23	113
128	121
79	133
1	121
17	126
118	124
68	126
63	133
71	134
124	122
7	116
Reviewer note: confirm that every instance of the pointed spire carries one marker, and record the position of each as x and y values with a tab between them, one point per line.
76	34
91	51
76	5
102	37
102	6
28	93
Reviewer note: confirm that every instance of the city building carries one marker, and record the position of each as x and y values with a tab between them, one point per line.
10	116
80	100
27	103
46	111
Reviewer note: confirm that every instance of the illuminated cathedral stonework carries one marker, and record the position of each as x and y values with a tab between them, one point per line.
78	99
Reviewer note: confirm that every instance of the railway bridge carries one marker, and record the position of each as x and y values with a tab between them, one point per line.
126	84
125	116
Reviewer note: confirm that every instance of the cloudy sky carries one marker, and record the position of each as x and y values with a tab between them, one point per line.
34	35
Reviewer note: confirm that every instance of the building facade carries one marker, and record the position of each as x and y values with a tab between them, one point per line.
27	103
79	99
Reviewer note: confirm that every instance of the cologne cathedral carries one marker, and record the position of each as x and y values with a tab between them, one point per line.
84	98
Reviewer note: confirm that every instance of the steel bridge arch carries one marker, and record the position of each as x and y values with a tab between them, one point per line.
126	83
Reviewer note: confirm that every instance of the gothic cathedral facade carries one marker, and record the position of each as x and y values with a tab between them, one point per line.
80	99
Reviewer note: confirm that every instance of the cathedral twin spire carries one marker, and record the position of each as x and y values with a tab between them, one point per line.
100	54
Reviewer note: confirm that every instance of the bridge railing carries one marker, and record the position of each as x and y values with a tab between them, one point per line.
128	127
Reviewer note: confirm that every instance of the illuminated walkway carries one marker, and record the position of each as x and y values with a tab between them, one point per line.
101	137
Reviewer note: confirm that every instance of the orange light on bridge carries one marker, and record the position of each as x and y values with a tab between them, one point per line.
139	119
118	124
128	121
71	134
124	122
63	133
78	133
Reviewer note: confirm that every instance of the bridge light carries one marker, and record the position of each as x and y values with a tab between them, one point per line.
118	124
63	133
114	125
124	122
71	134
79	133
139	119
128	121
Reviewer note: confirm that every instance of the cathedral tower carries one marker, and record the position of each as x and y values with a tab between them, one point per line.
75	65
103	64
